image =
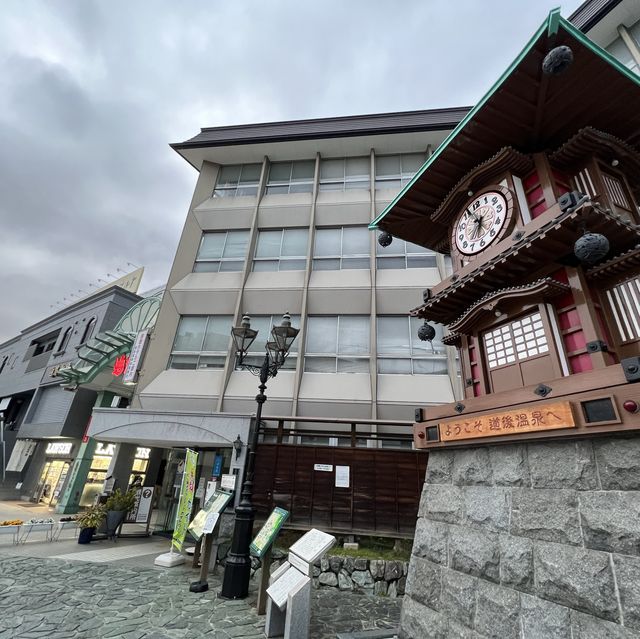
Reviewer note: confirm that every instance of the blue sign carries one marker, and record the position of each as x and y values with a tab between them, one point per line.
217	466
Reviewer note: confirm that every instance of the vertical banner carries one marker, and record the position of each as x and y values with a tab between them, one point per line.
186	500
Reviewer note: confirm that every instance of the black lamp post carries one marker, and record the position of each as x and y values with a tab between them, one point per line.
237	572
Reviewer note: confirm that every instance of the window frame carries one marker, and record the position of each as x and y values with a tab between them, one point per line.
383	254
279	184
64	342
280	259
199	353
328	184
341	256
337	356
222	259
232	191
404	177
412	357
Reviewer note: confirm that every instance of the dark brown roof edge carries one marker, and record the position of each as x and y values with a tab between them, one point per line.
589	13
309	129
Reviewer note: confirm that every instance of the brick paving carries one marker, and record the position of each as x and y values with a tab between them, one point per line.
51	598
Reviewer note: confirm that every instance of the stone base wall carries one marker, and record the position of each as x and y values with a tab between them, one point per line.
353	574
528	541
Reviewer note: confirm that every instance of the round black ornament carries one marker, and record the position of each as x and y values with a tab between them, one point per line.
557	61
385	238
426	332
591	248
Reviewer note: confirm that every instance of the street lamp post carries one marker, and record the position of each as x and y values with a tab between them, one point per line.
237	572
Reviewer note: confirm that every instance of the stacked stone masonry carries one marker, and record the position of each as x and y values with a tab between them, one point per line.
528	541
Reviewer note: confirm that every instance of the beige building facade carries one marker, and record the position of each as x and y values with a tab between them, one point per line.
278	222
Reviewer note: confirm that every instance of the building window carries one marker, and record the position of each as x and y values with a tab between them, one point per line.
202	341
400	254
401	352
281	250
396	171
88	331
238	179
263	324
337	344
344	174
64	342
221	252
341	248
291	177
5	359
44	344
519	340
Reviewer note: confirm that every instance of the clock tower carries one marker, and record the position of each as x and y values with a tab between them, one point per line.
534	197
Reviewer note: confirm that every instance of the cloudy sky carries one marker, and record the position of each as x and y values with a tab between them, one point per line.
92	92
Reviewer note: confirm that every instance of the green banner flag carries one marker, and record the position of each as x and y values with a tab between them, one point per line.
186	500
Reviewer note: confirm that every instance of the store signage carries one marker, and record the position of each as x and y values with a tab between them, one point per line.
269	531
59	448
120	365
54	370
105	449
217	466
185	503
142	453
135	356
519	420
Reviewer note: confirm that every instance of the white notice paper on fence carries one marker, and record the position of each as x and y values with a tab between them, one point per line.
342	476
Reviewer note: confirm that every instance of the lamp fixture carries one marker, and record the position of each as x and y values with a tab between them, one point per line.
237	446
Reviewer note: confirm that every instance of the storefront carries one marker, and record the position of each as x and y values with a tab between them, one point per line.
100	463
58	459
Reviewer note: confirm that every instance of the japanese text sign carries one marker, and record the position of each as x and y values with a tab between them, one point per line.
521	419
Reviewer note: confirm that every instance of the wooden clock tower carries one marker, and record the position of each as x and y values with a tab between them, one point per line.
535	197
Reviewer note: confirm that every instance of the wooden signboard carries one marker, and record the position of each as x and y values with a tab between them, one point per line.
518	420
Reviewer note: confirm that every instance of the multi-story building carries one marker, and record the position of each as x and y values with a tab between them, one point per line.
43	423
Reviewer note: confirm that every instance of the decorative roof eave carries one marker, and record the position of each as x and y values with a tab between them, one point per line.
542	288
505	159
555	107
606	146
523	256
621	266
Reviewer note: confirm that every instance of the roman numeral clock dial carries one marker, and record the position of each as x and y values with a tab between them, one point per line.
480	223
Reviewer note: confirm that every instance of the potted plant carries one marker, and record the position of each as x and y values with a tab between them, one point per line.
118	504
88	521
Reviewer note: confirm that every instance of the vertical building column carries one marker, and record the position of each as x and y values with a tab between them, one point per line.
373	343
121	465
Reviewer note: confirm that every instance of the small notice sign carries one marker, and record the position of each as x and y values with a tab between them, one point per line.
325	468
228	482
269	531
210	523
279	590
519	420
342	476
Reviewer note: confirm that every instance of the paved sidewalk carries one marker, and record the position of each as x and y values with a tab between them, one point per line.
60	599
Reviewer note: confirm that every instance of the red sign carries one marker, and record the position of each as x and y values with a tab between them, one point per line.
120	365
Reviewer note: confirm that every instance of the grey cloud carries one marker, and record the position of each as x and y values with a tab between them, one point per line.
91	93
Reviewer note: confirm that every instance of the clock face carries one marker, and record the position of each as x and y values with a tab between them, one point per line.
480	223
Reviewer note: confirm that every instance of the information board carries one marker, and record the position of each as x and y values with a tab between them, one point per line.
313	545
269	531
279	590
216	504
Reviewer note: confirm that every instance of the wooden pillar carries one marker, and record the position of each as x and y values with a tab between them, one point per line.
587	314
